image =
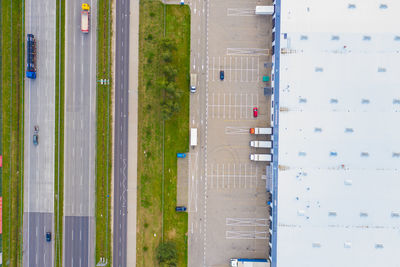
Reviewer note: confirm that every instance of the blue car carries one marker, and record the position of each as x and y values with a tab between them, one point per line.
180	208
48	236
35	139
221	75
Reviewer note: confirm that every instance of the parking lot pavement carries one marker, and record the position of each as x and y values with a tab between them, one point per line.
239	176
227	192
236	68
232	106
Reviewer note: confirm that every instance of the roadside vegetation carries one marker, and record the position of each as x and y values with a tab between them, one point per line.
12	108
103	134
164	59
59	133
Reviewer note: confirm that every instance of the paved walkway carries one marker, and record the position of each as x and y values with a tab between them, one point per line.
132	131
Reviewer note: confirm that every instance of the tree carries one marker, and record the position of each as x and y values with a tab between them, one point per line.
167	44
166	254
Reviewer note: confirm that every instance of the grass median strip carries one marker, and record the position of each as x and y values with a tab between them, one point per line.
12	90
103	134
59	133
163	92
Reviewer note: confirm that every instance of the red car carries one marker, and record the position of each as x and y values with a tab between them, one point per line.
255	112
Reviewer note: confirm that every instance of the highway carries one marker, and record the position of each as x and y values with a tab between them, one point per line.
40	20
121	134
80	138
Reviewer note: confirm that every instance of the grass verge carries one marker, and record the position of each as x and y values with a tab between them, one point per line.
59	133
103	134
150	231
12	90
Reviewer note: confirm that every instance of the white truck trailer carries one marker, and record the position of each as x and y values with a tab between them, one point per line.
265	10
85	18
261	157
261	144
193	137
249	263
267	130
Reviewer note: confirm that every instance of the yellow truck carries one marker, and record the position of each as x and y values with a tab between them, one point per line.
85	18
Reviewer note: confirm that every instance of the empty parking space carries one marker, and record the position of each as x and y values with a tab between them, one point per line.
232	106
227	176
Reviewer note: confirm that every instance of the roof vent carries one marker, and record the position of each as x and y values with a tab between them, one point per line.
380	69
332	213
334	101
348	182
316	245
364	101
319	69
317	130
364	154
351	6
335	38
383	6
304	37
366	38
363	214
395	214
379	245
348	130
347	244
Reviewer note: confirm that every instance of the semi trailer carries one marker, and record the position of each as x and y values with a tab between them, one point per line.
30	56
85	18
267	130
249	263
261	144
261	157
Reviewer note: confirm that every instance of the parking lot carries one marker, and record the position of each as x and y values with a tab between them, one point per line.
228	214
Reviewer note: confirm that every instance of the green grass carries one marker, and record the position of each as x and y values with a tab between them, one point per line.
12	90
59	136
150	132
103	134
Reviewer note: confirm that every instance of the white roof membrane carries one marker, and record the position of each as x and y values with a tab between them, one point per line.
339	134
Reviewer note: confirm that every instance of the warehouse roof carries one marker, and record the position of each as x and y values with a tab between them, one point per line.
338	178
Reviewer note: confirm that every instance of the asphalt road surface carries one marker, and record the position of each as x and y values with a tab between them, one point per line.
80	133
40	20
121	133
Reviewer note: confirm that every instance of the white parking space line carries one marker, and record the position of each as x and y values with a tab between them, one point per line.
233	175
246	235
247	51
246	222
239	68
230	105
241	12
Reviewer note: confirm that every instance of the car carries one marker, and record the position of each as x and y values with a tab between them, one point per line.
221	75
255	112
35	139
48	236
180	208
